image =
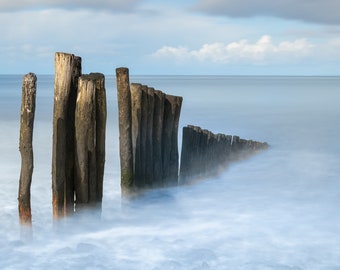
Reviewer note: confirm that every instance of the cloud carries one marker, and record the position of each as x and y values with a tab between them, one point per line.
109	5
317	11
262	51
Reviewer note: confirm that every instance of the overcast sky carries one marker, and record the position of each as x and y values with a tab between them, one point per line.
228	37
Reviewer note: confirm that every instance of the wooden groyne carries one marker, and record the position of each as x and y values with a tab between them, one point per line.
27	113
148	135
205	154
148	139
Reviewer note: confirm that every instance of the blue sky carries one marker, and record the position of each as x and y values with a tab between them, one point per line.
222	37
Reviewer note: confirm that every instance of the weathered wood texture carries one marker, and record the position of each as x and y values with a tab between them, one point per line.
156	148
125	129
205	154
149	137
90	126
153	131
101	117
158	116
26	147
85	181
172	108
67	72
136	118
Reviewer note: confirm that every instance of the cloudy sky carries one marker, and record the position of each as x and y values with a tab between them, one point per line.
228	37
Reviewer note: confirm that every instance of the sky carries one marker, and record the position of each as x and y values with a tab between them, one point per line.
193	37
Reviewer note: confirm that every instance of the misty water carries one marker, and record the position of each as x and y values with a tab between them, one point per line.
278	209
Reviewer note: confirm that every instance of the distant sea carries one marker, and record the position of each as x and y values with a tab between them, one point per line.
276	210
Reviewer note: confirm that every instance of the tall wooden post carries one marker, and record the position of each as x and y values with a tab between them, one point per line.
149	138
67	71
101	115
144	134
90	126
157	137
125	140
136	116
85	182
70	137
174	156
172	107
26	147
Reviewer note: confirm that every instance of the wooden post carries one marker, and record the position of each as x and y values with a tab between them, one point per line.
85	182
157	137
174	156
172	108
235	148
144	134
26	148
67	71
203	149
101	115
149	138
136	115
168	123
125	141
70	137
187	155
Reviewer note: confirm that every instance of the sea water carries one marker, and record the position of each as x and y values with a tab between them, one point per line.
276	210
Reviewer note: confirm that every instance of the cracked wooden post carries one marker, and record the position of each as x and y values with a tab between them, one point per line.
125	140
85	181
26	148
67	71
70	137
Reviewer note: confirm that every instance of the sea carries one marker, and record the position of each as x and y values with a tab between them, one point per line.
278	209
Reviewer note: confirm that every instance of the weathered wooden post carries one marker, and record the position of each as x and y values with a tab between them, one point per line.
101	115
204	152
90	127
157	137
149	137
172	108
144	134
174	155
85	135
125	140
168	123
67	71
136	116
70	136
26	147
187	156
235	148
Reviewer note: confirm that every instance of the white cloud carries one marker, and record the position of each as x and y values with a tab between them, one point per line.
263	50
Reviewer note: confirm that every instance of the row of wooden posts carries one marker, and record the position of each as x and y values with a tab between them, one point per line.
148	127
205	153
148	139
